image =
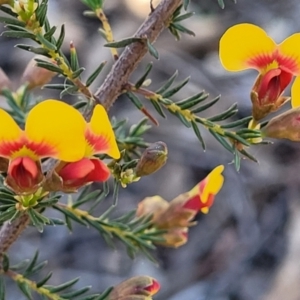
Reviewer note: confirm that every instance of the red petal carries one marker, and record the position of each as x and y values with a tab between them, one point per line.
24	172
76	170
100	172
153	288
193	203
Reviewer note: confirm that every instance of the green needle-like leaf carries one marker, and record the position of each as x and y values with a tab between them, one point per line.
143	78
152	50
76	293
62	287
237	123
125	42
31	264
198	134
186	4
12	21
192	101
61	37
44	280
95	74
158	108
174	90
232	110
2	288
205	106
5	262
222	141
168	83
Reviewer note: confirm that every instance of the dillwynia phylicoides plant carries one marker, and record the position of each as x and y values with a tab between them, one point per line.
49	148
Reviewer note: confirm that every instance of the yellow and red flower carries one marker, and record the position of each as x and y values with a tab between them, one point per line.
177	215
246	46
53	129
99	139
202	196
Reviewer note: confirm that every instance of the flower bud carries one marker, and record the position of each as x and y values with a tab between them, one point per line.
153	158
284	126
4	81
130	289
266	94
24	176
35	76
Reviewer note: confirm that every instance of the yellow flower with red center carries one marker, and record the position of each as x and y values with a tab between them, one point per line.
52	129
99	139
246	46
202	196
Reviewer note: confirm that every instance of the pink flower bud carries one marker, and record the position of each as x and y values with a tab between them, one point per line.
35	76
284	126
143	286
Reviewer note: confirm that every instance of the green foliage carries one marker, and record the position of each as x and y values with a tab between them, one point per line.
24	271
175	25
222	4
93	4
187	110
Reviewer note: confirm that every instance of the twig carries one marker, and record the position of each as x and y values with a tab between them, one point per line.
10	231
107	31
132	55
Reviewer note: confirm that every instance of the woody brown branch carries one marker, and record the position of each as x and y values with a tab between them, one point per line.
108	92
10	231
133	54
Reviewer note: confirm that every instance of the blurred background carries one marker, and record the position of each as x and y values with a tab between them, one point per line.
248	246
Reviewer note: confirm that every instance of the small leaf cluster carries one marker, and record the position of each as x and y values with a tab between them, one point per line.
175	26
10	211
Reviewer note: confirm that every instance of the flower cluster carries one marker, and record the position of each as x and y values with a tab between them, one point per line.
56	130
175	217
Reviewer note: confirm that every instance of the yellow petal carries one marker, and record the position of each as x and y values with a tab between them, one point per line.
57	125
289	54
100	134
245	46
205	210
295	93
213	184
10	134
